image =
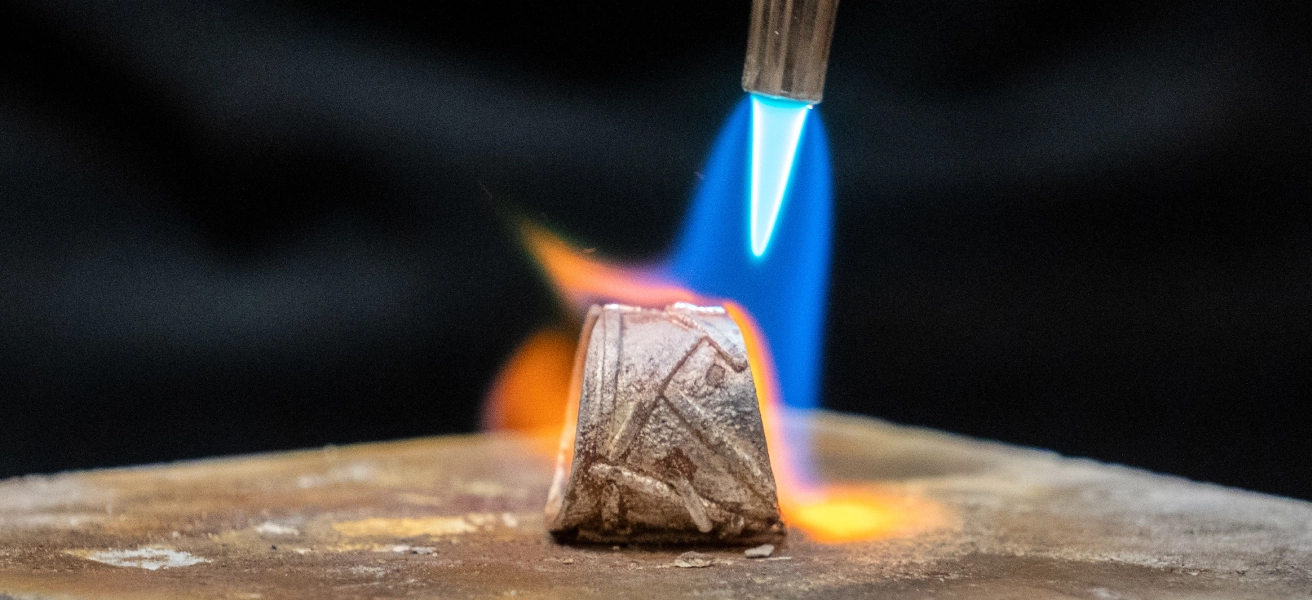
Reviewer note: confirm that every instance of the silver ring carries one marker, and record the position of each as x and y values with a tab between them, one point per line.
664	443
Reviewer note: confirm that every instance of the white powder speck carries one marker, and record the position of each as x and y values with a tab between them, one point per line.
150	558
271	528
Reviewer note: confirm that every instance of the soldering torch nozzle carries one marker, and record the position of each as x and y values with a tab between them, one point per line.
788	48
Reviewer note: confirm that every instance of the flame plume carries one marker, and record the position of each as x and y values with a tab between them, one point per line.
777	298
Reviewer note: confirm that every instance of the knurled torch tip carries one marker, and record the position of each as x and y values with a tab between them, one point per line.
788	48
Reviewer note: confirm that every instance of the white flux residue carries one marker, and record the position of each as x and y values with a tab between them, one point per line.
150	558
274	529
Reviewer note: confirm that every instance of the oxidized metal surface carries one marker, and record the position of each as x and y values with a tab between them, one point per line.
668	445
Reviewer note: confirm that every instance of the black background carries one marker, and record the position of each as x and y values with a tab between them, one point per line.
240	226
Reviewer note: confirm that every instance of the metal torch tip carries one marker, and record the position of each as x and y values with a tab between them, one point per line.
788	48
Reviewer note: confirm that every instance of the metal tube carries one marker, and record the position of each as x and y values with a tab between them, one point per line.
788	48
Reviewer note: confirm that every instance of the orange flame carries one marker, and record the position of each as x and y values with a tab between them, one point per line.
826	512
532	393
580	281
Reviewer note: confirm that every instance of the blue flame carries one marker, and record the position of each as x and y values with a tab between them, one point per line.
783	288
777	126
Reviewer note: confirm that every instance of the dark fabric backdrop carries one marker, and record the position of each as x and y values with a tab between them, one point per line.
240	226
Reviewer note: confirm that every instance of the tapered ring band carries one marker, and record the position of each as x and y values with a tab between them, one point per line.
664	443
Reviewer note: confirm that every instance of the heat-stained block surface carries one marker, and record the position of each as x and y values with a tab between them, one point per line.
462	517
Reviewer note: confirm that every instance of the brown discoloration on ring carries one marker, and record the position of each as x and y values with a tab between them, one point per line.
677	465
715	376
